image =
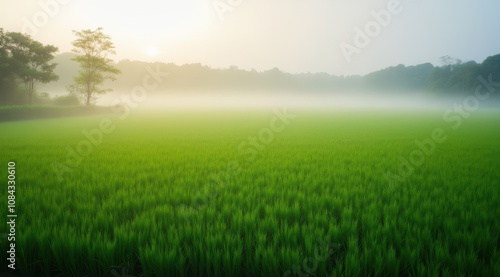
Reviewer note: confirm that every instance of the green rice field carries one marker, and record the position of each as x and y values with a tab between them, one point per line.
250	193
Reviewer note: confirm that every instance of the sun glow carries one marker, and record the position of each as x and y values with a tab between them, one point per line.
145	20
152	51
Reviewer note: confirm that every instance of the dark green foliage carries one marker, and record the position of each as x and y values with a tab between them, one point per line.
26	60
8	84
32	61
400	77
461	77
491	66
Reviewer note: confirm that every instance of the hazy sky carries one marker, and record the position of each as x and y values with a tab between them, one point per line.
294	35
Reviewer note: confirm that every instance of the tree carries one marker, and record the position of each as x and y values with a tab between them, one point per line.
464	76
491	66
8	84
439	78
450	62
92	48
4	54
32	61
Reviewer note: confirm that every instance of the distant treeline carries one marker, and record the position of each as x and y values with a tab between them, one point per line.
453	76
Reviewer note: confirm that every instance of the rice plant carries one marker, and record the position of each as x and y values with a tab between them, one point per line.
143	200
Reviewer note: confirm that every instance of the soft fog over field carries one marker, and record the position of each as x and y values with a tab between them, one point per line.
321	100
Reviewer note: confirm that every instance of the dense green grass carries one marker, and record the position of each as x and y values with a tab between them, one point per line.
11	113
145	198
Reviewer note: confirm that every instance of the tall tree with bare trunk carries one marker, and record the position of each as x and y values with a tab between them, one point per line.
92	49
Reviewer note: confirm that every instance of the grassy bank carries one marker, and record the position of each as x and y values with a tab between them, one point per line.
13	113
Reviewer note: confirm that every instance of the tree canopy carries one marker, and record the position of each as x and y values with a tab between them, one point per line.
24	59
92	49
33	61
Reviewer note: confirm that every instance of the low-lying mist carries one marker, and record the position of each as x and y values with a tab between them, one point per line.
324	100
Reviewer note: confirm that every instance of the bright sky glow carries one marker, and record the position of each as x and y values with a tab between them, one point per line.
296	36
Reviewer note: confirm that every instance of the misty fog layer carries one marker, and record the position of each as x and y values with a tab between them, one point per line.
270	99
